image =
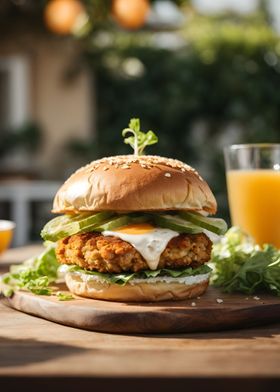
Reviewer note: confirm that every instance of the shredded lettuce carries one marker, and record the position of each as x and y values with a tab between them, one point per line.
64	296
34	274
123	278
242	266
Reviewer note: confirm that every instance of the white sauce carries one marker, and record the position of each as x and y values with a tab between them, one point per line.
150	245
187	280
213	236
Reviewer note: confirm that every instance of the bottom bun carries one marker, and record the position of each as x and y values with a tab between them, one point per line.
83	285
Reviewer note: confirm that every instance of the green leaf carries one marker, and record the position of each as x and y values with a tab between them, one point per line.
64	296
134	123
9	292
139	140
242	266
35	274
123	278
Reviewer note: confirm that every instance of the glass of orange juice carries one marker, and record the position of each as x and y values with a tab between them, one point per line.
253	183
6	234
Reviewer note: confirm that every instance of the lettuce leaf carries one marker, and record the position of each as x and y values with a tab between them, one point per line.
64	296
34	274
242	266
123	278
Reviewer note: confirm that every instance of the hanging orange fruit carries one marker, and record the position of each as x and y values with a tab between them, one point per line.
130	14
62	15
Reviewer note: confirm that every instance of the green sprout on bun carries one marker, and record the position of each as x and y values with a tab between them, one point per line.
140	140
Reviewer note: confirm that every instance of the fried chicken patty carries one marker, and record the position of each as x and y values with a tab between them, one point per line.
93	251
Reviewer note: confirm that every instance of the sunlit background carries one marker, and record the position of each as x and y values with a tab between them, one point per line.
202	74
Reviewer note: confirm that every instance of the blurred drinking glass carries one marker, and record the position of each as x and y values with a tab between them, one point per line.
6	234
253	184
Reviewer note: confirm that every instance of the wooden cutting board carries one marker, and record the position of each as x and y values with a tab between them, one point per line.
204	314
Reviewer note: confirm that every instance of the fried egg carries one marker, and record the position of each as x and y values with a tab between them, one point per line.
148	240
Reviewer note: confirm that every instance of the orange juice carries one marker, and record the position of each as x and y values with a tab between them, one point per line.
254	199
6	234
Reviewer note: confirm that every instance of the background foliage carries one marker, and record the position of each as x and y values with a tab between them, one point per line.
211	83
220	86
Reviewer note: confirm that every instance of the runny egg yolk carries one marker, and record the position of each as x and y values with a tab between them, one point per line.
137	228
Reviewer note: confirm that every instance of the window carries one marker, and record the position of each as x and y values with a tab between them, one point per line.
14	91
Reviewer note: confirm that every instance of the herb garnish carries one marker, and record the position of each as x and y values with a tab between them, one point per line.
140	139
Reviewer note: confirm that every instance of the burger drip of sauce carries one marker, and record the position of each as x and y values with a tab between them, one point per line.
148	240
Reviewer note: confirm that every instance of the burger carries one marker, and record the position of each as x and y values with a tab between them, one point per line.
135	228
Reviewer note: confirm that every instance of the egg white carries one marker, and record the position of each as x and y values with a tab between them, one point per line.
150	245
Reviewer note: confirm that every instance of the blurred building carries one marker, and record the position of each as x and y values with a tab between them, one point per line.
43	81
45	100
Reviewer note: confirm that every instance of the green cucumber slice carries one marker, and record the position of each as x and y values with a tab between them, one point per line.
216	225
174	222
67	225
143	218
114	223
124	220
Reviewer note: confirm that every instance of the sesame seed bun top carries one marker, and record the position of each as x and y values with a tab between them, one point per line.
135	183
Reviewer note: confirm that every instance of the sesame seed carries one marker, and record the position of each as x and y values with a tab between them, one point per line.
257	298
193	304
219	300
167	175
105	168
198	297
146	161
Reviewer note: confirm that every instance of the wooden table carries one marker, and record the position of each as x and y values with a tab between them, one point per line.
43	355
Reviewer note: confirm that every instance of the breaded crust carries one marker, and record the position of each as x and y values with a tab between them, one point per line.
94	251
